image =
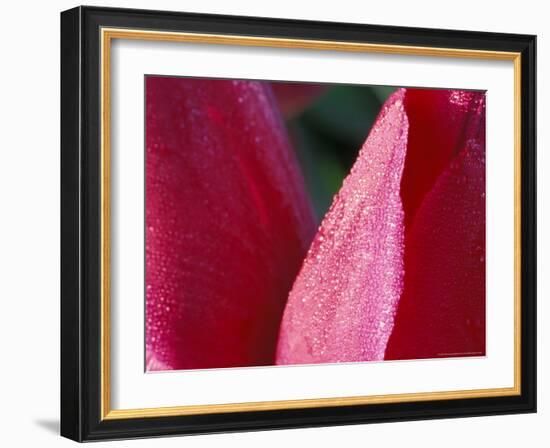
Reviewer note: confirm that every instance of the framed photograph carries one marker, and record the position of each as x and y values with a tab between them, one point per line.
274	224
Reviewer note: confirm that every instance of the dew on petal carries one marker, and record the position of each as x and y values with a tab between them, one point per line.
342	304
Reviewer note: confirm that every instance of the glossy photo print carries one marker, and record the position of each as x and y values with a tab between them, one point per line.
295	223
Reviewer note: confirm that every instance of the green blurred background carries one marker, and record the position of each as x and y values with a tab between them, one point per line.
328	124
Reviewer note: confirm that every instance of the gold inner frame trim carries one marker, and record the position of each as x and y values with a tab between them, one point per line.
107	35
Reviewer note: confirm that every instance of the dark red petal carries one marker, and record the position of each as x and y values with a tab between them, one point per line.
228	223
343	301
439	122
294	97
442	309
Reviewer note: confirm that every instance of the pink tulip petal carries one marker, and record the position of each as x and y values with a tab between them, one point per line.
228	223
442	309
342	304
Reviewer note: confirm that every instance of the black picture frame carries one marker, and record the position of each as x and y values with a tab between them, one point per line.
81	227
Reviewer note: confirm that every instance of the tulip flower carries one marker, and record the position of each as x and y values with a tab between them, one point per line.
228	223
397	268
442	308
236	273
